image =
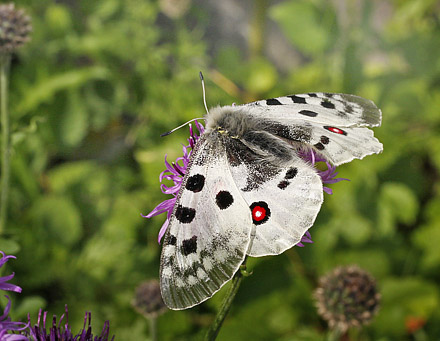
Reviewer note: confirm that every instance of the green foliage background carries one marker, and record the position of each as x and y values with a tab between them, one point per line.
100	81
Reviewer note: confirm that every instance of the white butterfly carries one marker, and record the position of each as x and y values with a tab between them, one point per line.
247	191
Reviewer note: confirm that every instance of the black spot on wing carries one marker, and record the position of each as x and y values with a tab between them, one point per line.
195	183
329	95
291	173
325	139
297	99
189	246
312	94
273	101
308	113
283	184
319	146
185	214
172	240
349	108
224	199
327	104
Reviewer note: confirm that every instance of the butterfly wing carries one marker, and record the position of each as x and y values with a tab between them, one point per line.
284	198
332	109
209	230
333	124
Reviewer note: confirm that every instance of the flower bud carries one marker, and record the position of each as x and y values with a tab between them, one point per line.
347	297
15	27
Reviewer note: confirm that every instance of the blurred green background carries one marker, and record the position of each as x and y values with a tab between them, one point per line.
100	80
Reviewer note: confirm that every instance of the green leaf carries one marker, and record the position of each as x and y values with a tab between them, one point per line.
427	237
397	203
47	88
9	246
58	219
73	122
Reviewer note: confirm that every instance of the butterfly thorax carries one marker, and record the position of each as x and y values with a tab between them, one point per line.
259	136
231	121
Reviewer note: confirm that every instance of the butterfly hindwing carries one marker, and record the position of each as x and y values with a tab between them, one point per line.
284	199
208	235
341	145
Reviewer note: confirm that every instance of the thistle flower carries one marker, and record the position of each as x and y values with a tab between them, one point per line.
15	27
62	330
328	176
6	325
176	171
148	299
347	297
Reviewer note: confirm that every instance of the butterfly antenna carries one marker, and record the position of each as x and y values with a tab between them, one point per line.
204	102
182	125
204	92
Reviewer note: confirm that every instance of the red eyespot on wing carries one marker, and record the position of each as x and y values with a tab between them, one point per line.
335	130
260	212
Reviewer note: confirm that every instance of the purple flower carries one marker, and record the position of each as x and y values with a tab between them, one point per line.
176	171
62	330
6	325
328	175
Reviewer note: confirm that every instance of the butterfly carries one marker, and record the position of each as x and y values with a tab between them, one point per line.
248	191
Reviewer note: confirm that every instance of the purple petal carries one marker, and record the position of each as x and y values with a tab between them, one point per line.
161	208
327	190
163	229
306	238
5	258
200	127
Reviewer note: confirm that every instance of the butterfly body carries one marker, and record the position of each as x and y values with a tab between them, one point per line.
248	191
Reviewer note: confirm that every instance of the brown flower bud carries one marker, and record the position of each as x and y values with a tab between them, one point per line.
347	297
15	27
148	299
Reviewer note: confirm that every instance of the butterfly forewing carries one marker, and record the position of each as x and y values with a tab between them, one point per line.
208	234
332	109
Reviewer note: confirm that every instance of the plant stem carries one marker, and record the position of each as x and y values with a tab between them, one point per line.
226	306
5	60
153	328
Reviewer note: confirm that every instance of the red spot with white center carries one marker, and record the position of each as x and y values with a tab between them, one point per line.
260	212
335	130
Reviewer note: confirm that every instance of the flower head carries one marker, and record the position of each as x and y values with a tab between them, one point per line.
176	172
6	325
347	297
15	27
62	330
148	299
328	176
